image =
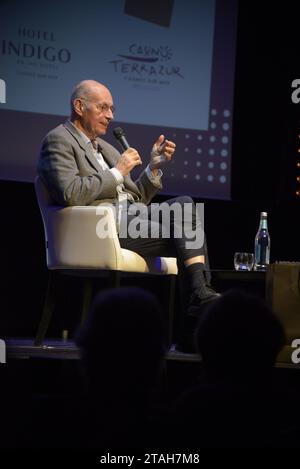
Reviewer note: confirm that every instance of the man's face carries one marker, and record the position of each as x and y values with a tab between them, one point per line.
96	112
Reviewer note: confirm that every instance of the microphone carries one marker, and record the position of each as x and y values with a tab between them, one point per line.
120	136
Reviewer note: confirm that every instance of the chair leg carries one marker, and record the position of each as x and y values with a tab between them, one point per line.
172	290
115	278
86	299
48	309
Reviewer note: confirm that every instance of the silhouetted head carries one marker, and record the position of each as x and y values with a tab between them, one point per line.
124	338
239	338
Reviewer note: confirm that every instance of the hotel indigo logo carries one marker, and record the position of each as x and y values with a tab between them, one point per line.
35	53
35	45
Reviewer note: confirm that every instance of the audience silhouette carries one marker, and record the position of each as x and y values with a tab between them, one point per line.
123	343
123	346
238	404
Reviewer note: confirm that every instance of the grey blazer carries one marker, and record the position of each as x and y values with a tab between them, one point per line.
73	175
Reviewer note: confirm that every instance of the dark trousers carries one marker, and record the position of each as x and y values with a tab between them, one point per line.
159	245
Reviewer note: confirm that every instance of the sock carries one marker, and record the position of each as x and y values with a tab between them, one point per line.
195	275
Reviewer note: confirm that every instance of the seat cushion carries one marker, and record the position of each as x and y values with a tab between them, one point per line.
133	262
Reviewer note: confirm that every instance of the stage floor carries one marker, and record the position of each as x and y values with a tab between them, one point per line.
67	350
20	348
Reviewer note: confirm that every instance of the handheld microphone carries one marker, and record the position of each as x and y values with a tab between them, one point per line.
120	136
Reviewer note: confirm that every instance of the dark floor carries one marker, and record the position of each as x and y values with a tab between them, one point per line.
56	365
20	348
52	373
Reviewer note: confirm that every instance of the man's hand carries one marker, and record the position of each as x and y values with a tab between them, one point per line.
127	161
162	151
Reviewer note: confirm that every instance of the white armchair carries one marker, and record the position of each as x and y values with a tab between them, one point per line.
74	247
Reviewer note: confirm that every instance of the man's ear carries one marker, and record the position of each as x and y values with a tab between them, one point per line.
78	106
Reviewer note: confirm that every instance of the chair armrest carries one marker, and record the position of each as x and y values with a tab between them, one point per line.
76	238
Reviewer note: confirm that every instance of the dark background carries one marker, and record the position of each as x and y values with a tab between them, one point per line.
265	142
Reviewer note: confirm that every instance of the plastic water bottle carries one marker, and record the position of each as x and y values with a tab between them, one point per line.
262	244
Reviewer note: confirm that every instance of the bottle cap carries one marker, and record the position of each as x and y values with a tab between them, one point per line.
264	214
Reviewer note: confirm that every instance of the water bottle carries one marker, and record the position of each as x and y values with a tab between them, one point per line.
262	244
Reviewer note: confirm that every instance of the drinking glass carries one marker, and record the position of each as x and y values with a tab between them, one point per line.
243	261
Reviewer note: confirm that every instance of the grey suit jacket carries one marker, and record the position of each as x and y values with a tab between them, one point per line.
73	175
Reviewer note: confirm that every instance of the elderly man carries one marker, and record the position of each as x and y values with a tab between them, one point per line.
80	168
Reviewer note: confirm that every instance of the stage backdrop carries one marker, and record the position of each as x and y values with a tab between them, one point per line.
169	65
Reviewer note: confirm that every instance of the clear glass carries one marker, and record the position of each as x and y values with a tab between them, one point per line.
243	261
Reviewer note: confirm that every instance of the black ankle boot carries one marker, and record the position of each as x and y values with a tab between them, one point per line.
198	303
200	298
202	292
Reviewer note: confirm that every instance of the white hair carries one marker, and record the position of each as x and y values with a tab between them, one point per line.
83	90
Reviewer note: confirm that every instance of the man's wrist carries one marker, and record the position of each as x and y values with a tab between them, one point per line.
117	174
154	178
